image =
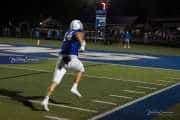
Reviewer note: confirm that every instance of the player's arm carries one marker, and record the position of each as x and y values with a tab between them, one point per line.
81	37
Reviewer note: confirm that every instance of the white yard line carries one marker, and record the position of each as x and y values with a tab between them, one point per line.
59	105
120	96
134	66
55	118
65	106
104	102
156	68
133	91
23	68
6	97
135	81
150	88
90	76
166	81
132	102
166	112
174	78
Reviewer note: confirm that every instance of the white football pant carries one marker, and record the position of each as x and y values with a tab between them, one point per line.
61	68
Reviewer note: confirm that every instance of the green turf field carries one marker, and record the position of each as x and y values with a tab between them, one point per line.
104	86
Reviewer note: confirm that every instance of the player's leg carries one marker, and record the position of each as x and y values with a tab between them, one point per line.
58	75
74	88
75	64
45	101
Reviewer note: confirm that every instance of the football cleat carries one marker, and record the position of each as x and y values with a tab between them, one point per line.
75	92
45	105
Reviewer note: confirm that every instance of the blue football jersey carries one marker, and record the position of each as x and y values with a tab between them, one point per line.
70	44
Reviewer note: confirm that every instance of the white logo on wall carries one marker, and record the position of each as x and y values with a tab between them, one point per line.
23	59
90	55
113	56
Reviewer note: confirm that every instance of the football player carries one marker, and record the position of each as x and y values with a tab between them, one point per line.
68	60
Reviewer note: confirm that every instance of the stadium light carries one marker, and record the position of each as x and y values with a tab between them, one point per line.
104	5
178	28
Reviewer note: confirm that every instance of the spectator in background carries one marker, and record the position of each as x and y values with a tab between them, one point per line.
57	36
49	36
37	36
6	31
17	31
145	37
108	37
37	33
127	36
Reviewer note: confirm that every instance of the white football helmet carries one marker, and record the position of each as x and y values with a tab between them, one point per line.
76	25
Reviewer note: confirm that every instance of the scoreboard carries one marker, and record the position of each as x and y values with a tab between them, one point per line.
100	19
101	16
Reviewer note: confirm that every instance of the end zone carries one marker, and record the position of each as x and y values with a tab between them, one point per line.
139	109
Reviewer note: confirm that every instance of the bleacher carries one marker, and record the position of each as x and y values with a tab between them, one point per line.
145	30
168	27
157	31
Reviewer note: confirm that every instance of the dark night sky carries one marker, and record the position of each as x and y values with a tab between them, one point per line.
75	8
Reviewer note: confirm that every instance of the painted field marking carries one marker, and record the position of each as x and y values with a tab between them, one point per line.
135	81
135	66
5	97
149	113
174	78
166	112
55	118
90	76
54	51
23	68
104	102
150	88
133	102
65	106
133	91
120	96
58	105
167	81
